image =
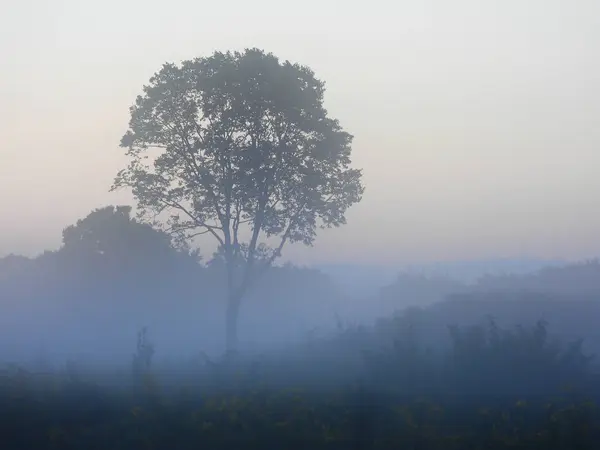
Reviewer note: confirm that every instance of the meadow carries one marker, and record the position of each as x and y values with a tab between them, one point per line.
360	387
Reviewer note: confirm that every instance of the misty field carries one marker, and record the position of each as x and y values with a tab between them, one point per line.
358	388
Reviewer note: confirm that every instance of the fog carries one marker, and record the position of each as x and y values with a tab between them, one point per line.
99	319
92	335
67	306
235	201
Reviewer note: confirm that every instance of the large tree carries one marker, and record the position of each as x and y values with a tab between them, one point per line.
238	145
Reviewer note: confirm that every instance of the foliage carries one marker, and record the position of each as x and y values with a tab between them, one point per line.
113	239
520	360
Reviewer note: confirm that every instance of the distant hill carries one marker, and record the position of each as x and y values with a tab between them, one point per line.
470	271
359	280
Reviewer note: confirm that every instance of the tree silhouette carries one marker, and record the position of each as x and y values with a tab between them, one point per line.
114	240
239	146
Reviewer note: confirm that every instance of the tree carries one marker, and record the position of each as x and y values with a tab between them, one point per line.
239	146
109	238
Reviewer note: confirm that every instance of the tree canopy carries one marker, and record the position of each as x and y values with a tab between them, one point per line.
111	234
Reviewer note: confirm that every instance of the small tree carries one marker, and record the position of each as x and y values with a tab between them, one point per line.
243	150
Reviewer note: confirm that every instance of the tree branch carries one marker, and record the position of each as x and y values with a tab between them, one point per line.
210	229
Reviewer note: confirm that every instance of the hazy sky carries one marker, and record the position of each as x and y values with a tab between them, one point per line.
476	122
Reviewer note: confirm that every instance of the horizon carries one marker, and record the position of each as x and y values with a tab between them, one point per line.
431	265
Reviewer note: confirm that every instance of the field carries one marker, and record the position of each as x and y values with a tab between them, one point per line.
360	388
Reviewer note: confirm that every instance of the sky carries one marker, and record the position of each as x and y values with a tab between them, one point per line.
475	121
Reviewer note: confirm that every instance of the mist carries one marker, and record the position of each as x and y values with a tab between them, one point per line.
372	225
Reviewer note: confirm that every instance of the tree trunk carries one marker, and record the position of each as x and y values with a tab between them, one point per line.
231	324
